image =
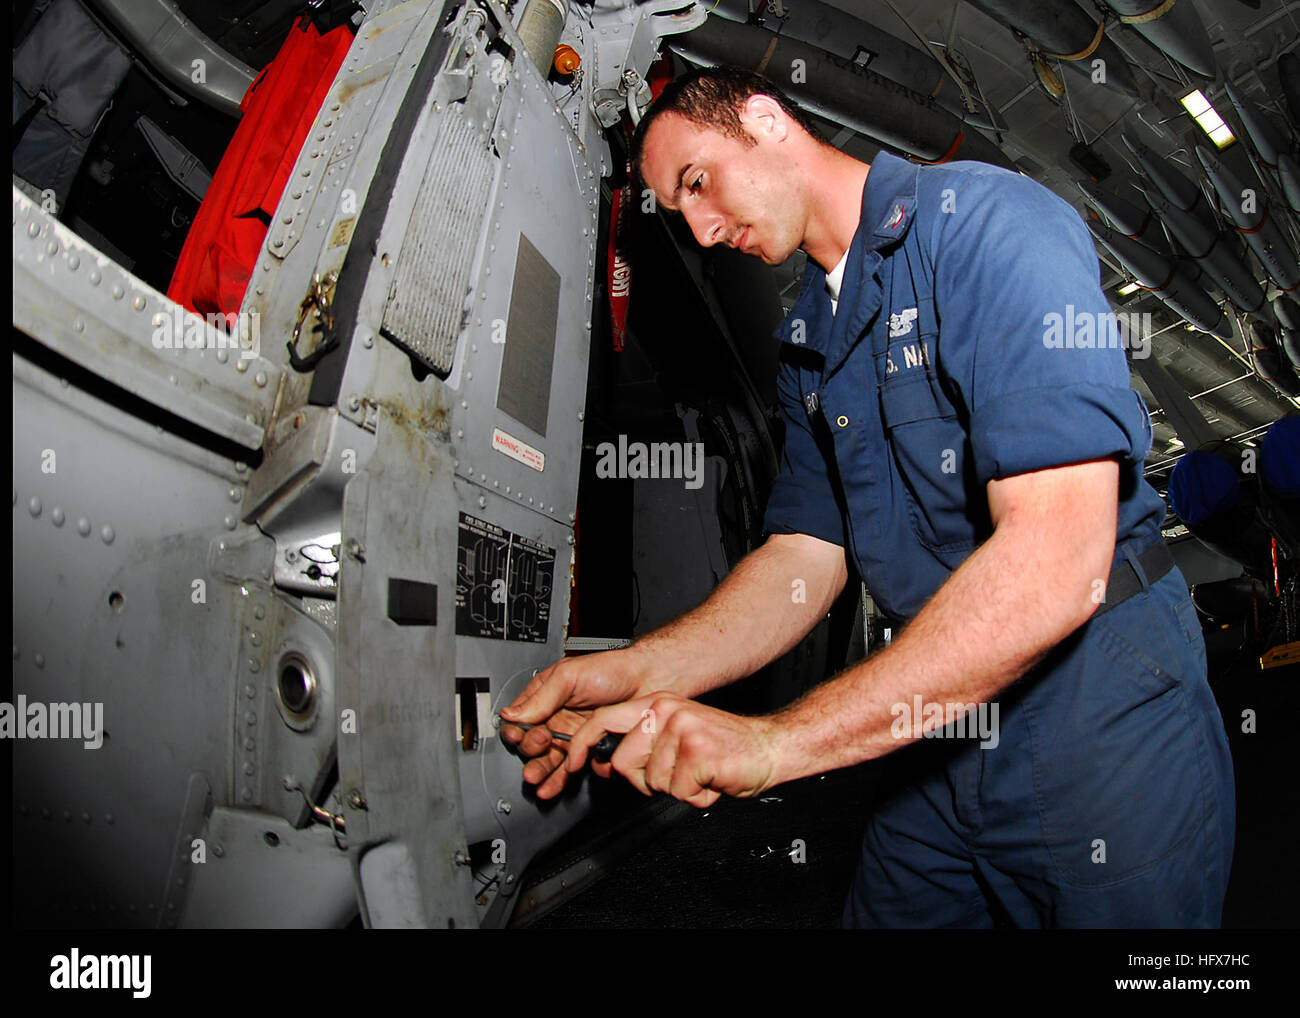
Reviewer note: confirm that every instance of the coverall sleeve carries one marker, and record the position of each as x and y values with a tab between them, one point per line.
803	500
1014	272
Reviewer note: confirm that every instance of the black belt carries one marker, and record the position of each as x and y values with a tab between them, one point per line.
1124	581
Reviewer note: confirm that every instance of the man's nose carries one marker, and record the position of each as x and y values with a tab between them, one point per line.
709	227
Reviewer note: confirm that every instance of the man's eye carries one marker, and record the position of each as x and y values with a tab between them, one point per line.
696	186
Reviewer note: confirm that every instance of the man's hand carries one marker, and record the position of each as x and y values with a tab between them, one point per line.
675	745
553	701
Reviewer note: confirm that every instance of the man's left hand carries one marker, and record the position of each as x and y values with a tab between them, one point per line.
675	745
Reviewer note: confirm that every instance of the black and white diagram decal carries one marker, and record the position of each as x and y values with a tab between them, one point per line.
503	583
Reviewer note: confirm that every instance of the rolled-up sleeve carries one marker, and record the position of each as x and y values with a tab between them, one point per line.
1028	335
803	499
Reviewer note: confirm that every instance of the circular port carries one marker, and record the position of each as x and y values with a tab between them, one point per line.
296	687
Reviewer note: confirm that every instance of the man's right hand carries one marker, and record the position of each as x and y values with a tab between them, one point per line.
554	701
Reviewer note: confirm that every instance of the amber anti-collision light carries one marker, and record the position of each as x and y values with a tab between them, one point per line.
566	59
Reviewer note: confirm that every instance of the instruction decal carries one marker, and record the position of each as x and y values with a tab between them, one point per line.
503	583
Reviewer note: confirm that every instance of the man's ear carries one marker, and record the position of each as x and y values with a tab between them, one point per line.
763	116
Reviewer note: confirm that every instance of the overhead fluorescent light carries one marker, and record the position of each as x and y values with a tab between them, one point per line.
1128	288
1208	117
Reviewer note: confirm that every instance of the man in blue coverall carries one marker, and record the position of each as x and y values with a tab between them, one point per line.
960	422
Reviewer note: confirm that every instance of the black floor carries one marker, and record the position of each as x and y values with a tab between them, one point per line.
730	866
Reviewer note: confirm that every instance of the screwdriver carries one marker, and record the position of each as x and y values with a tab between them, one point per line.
601	752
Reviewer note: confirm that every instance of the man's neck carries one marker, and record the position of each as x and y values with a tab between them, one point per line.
836	182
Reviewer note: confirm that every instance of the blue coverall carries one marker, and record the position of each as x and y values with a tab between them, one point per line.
1108	800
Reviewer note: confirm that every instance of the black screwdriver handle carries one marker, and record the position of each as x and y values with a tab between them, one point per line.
603	751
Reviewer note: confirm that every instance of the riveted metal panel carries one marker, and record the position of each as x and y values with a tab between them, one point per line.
86	307
115	603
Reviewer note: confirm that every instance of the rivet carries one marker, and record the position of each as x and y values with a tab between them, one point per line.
255	638
233	494
74	262
482	502
52	248
118	292
39	660
254	665
218	851
34	230
34	506
138	303
241	366
250	718
95	277
229	521
107	534
368	342
249	768
249	744
250	691
259	612
222	356
83	526
246	794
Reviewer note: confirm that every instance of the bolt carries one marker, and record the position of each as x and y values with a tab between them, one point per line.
503	806
356	800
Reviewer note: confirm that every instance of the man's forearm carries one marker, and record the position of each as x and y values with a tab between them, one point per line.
764	606
959	649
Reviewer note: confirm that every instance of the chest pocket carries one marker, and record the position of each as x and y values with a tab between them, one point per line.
927	437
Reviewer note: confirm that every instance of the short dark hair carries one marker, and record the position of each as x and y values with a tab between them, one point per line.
712	97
